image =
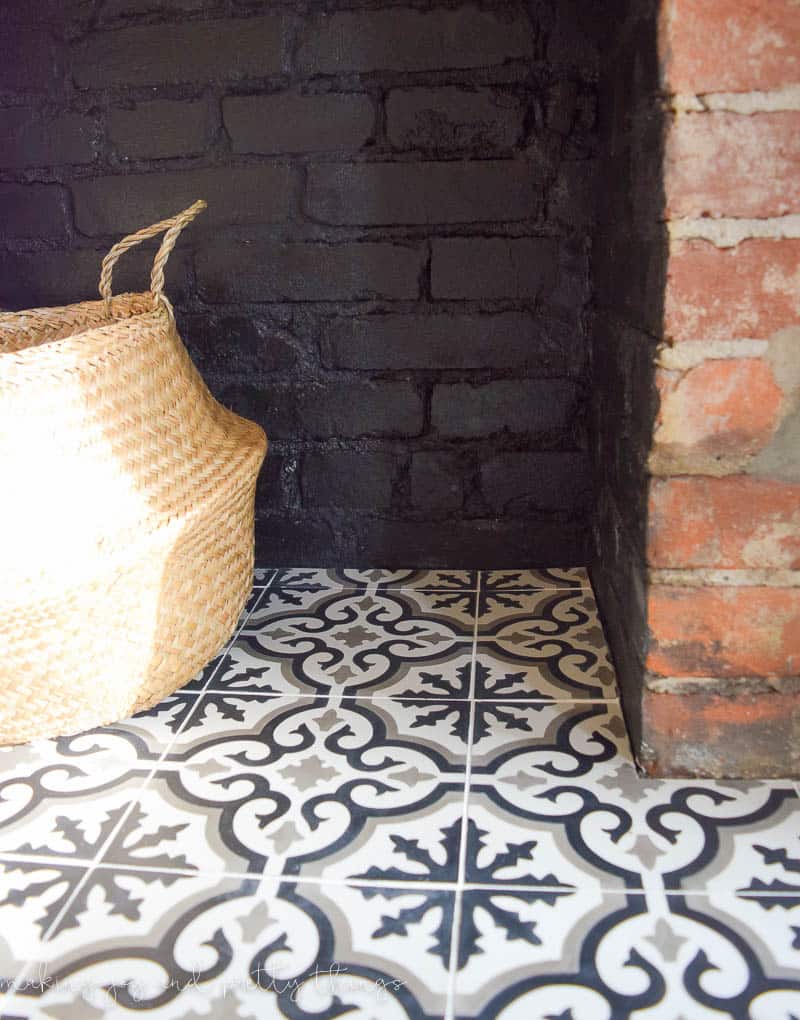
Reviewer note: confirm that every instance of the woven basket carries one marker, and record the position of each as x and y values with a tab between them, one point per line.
126	548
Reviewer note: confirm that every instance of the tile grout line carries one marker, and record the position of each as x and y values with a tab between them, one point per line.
138	791
462	853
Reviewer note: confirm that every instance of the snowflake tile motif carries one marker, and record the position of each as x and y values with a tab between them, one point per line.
249	949
345	642
286	781
543	577
311	579
563	676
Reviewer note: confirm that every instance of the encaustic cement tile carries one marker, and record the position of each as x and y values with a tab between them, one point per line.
544	577
311	579
281	782
187	947
562	673
346	642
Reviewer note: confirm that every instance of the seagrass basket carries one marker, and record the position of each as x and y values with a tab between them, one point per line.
126	546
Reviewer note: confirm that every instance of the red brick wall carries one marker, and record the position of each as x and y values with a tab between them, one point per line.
722	692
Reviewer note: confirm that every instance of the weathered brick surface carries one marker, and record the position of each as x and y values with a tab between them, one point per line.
33	210
453	118
437	480
722	632
713	415
751	290
30	58
451	341
287	122
494	267
360	409
726	164
159	129
357	479
729	46
735	522
747	736
519	482
241	195
449	192
270	271
411	40
515	406
181	52
35	141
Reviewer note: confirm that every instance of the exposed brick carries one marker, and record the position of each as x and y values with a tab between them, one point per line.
287	122
749	736
729	46
270	271
360	409
437	480
736	522
127	8
495	267
181	52
29	61
713	415
450	192
751	290
520	406
236	344
401	39
30	279
270	486
451	117
724	631
273	407
348	478
519	482
452	341
726	164
571	198
239	195
159	129
33	210
33	140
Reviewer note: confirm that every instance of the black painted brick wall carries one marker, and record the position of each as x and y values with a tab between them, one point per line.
392	276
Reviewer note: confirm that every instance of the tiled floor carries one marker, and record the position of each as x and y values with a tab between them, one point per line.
395	794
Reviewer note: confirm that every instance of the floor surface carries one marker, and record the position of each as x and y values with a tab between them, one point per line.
396	794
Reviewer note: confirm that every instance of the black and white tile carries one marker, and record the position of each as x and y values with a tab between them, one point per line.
394	794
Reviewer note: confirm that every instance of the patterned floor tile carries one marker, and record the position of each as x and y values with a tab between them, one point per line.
527	954
346	641
262	576
280	783
187	947
311	579
558	674
543	577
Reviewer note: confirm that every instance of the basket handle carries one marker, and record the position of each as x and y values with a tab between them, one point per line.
170	228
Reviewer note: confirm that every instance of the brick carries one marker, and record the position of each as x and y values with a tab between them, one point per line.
199	51
726	164
714	415
348	478
516	483
437	480
453	118
30	59
271	485
112	9
270	271
751	290
750	736
33	210
736	522
32	140
413	40
571	199
286	122
724	631
294	539
159	129
237	344
516	406
729	46
274	408
361	409
501	340
428	192
30	279
493	268
242	195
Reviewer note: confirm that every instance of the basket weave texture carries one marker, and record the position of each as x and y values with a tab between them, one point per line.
126	548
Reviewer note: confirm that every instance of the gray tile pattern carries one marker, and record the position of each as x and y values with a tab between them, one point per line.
395	794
